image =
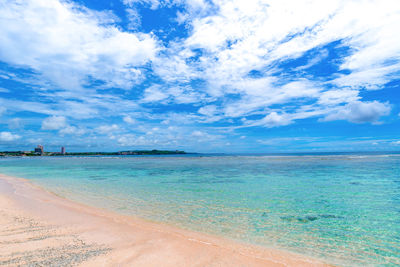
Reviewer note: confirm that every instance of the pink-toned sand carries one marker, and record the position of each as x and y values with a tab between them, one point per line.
39	228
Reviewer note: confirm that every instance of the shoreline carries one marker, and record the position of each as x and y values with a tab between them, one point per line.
72	233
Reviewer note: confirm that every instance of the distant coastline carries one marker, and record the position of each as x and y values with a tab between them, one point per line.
118	153
21	153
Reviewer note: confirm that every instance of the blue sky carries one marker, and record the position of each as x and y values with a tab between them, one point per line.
200	75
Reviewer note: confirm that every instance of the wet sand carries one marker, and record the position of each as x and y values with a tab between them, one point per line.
38	228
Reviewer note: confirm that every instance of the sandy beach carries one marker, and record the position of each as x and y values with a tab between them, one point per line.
38	228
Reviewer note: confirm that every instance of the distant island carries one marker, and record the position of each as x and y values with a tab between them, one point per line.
119	153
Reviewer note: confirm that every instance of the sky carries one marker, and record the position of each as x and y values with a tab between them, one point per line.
253	76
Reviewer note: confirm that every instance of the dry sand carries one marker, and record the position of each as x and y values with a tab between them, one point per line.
38	228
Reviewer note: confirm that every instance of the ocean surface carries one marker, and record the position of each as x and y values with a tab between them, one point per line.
344	209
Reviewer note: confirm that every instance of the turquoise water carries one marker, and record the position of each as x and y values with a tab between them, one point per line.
344	209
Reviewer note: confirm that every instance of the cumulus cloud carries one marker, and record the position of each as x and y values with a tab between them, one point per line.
8	137
54	123
273	119
360	112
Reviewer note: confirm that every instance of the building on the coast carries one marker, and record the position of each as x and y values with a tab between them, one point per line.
39	150
62	150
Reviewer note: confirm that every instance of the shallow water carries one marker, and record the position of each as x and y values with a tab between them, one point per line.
341	208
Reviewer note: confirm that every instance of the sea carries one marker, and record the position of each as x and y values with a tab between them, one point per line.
343	208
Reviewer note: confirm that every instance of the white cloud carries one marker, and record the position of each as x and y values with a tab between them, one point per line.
334	97
129	140
178	118
202	136
153	3
68	44
228	68
274	120
191	5
129	120
360	112
209	110
134	18
166	136
154	94
198	134
320	56
165	94
369	78
54	123
72	130
244	36
106	129
8	137
184	95
80	110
